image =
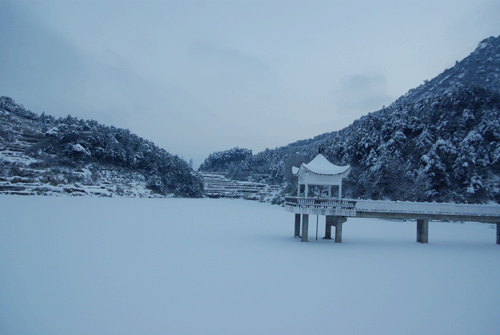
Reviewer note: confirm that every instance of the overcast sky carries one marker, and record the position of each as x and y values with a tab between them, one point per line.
202	76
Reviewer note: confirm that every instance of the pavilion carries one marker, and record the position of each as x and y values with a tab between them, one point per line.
320	172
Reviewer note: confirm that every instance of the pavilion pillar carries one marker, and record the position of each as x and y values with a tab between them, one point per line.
340	189
329	191
306	191
305	227
498	233
297	226
423	231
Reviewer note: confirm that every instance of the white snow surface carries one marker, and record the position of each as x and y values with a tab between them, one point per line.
83	265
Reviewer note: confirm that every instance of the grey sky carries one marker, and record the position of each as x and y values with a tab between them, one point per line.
203	76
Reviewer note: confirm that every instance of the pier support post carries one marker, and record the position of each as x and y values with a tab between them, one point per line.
498	233
336	221
339	220
297	226
338	232
423	231
305	227
328	227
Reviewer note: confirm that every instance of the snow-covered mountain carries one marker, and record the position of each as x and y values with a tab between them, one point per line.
67	156
481	68
439	142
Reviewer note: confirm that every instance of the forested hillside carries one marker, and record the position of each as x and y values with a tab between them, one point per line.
57	149
439	142
226	160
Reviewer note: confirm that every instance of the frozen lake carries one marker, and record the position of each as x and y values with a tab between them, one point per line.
219	266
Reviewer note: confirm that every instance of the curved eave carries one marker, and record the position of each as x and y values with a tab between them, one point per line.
344	173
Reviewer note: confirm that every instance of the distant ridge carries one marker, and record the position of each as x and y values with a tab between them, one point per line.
481	68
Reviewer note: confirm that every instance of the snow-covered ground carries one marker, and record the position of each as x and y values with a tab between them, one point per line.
84	265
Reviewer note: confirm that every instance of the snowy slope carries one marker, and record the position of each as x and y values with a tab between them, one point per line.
67	156
19	177
480	68
83	265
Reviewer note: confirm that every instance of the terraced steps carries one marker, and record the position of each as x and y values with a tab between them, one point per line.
217	185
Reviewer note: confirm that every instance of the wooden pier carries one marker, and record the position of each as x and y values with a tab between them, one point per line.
337	211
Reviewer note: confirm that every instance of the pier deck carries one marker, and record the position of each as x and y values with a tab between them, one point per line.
337	212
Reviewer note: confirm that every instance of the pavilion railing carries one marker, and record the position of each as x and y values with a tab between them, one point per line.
342	207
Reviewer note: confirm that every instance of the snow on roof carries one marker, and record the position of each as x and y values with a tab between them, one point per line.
320	165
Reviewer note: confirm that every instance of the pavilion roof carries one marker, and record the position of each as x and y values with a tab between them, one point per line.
321	166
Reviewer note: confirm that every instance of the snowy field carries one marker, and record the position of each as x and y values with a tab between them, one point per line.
218	266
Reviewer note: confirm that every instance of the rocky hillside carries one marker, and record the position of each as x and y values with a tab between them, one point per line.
44	155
